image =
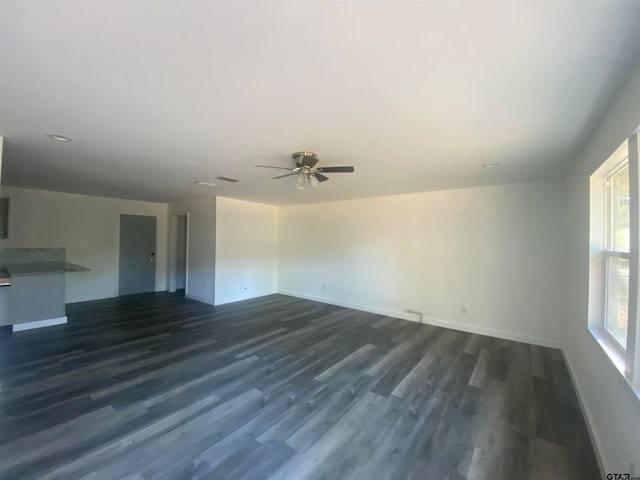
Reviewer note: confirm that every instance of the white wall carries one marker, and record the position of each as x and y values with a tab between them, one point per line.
201	240
246	250
89	228
612	409
495	251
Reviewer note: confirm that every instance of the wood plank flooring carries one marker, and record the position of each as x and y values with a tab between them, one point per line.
162	387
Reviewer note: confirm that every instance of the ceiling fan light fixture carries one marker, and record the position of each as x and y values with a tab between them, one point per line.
299	181
313	181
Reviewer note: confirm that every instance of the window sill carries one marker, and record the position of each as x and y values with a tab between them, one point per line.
616	358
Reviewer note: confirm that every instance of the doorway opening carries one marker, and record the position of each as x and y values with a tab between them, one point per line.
179	254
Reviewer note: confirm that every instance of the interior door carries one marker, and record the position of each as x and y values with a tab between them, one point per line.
137	254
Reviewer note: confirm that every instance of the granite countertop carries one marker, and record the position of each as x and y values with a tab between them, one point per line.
43	268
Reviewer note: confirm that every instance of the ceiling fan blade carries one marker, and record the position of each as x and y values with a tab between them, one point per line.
285	175
320	177
335	169
269	166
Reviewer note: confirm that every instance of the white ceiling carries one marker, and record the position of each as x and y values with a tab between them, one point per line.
416	95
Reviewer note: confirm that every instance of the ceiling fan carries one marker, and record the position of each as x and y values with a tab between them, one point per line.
305	170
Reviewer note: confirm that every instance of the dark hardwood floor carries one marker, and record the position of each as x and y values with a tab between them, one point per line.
160	386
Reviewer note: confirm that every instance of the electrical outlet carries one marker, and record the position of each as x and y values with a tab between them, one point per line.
463	310
324	286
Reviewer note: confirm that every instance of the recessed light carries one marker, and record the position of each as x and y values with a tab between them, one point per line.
206	184
119	187
490	165
59	138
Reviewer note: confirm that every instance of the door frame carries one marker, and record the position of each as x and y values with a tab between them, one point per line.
173	252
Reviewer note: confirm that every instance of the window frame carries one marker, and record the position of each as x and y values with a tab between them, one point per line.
624	357
616	343
632	364
610	251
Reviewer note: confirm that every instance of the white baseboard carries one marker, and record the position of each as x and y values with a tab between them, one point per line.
198	298
19	327
465	327
492	332
257	295
595	441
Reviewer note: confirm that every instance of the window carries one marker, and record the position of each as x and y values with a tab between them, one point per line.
616	255
614	259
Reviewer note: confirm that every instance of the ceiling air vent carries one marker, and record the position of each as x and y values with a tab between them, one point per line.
227	179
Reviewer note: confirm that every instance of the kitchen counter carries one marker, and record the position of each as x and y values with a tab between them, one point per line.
5	278
43	268
34	292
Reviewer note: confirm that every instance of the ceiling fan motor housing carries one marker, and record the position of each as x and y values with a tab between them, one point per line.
299	157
